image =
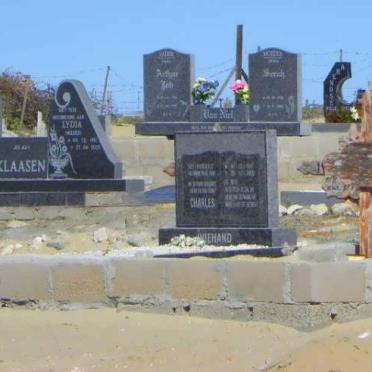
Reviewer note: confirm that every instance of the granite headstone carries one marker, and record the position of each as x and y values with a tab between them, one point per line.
226	189
333	99
168	79
275	80
78	145
23	157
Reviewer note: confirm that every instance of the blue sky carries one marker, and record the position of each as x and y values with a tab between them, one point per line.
54	40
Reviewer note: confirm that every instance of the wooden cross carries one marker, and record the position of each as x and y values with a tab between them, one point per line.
349	172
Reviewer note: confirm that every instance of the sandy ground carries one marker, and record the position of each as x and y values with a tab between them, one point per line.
125	227
110	340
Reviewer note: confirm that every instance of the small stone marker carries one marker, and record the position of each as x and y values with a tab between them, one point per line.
226	189
78	146
275	80
1	114
333	100
168	79
23	157
41	128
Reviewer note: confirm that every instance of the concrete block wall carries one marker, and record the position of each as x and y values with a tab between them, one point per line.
147	156
303	295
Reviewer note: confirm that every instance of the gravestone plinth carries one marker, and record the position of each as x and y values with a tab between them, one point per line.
226	189
275	79
170	129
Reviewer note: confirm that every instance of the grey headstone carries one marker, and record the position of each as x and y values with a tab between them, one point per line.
275	79
227	179
168	78
79	148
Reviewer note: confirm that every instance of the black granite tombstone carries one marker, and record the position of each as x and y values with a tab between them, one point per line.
226	189
23	157
168	78
78	146
78	151
333	99
275	80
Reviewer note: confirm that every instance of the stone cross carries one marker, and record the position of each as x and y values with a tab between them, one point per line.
349	172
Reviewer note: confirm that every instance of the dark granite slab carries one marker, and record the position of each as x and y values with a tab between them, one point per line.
170	129
78	145
275	79
224	236
22	157
225	179
168	77
69	185
332	89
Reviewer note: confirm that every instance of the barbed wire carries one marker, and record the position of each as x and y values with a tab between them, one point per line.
119	86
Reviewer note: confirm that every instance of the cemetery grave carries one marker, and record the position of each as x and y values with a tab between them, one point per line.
276	94
169	90
227	200
76	157
226	185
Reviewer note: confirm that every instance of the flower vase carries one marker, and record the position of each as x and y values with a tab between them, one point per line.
196	112
241	112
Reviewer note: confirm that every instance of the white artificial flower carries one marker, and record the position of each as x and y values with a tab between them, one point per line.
354	113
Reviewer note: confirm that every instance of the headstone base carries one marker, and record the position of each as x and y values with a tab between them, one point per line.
33	199
169	129
71	185
225	236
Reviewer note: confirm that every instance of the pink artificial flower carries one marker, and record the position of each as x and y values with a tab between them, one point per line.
238	85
